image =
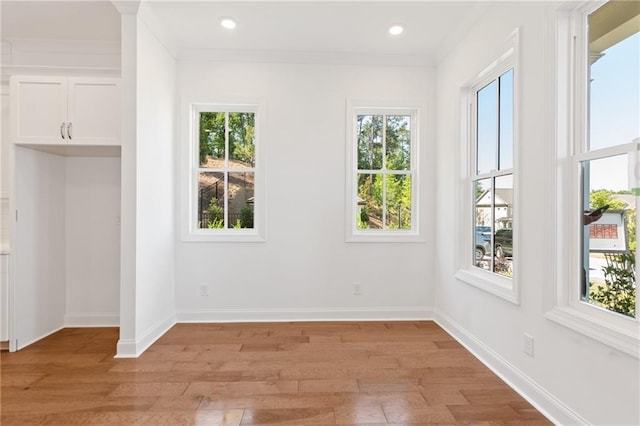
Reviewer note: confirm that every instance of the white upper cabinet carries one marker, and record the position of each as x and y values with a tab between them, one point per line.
55	110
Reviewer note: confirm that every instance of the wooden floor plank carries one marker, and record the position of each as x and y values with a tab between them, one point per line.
305	373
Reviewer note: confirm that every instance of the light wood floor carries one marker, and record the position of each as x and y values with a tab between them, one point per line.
265	373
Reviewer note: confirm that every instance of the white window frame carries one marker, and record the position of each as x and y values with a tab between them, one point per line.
491	282
361	107
567	308
191	169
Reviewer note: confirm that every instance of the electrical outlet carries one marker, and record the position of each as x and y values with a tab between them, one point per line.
528	344
204	290
356	289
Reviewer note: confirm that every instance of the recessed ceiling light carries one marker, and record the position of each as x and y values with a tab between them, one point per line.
396	30
228	23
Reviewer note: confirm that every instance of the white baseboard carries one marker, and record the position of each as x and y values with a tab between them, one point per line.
280	315
133	348
536	395
92	320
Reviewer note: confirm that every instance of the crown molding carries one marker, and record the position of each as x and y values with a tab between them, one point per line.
127	7
9	70
159	29
60	46
5	52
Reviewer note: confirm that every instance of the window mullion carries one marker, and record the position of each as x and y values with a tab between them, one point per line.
384	200
493	222
226	199
498	141
226	170
384	169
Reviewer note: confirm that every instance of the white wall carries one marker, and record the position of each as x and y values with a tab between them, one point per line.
571	377
67	243
127	341
39	251
155	221
4	167
92	204
66	54
4	211
305	269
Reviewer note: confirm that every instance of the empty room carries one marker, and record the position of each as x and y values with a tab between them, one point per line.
319	212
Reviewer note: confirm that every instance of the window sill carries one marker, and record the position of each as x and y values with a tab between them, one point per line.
491	283
224	237
624	339
385	237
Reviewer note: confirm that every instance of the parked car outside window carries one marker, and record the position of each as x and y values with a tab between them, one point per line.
483	243
503	240
484	229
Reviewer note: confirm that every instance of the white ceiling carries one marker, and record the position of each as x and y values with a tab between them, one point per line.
79	20
358	27
340	27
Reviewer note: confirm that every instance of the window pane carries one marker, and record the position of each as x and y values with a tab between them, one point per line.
506	120
241	200
212	140
242	149
487	136
483	251
398	142
398	194
369	201
211	200
614	104
503	225
609	240
369	134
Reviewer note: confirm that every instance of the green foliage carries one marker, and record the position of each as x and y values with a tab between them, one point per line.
369	130
216	215
479	190
631	229
212	131
242	137
215	224
370	190
395	132
618	294
241	126
399	202
601	197
398	143
363	218
364	214
246	217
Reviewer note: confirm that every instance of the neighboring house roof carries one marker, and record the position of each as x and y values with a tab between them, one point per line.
504	198
628	199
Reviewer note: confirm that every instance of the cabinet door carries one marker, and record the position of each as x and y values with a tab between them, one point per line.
94	111
38	109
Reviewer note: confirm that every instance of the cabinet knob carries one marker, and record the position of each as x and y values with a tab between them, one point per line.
69	131
62	131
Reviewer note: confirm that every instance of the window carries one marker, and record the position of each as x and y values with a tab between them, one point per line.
488	247
492	175
596	292
225	180
382	174
608	241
